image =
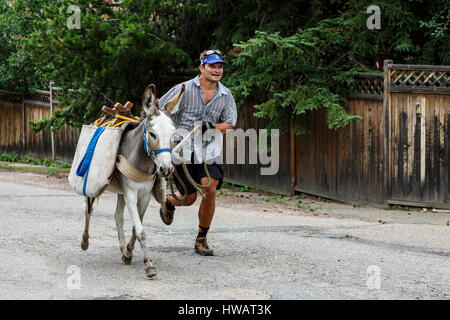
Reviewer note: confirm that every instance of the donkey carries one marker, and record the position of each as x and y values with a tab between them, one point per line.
148	149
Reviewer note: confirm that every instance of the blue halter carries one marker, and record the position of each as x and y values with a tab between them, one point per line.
149	151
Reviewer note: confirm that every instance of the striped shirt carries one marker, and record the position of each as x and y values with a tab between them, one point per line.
192	109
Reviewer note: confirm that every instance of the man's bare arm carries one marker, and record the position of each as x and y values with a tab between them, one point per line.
223	126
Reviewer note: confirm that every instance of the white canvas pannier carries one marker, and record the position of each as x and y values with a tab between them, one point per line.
94	160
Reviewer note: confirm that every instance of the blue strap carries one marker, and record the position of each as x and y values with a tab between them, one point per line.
162	150
146	146
83	167
150	151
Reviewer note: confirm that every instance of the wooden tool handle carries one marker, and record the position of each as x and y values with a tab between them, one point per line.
110	111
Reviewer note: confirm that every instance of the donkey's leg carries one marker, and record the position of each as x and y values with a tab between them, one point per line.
130	245
131	203
118	217
87	213
142	206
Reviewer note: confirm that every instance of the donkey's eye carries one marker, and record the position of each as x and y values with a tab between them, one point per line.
152	135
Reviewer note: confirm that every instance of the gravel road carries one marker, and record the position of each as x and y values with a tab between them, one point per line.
264	250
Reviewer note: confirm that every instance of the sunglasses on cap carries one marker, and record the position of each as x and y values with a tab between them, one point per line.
211	52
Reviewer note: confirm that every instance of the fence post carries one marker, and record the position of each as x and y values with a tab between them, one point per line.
387	132
24	124
52	136
292	148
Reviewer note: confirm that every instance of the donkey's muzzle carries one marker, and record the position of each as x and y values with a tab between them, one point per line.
165	171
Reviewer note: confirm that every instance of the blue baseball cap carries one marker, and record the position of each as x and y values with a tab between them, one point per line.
214	58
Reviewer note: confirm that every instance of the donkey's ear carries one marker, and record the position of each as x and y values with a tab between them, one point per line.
149	99
172	105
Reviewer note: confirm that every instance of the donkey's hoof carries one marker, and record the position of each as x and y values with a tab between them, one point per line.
151	272
127	260
84	244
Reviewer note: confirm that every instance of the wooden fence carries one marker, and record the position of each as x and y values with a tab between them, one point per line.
344	164
16	134
417	138
398	153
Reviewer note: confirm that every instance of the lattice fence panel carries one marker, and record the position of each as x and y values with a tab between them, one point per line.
420	78
38	97
368	85
57	95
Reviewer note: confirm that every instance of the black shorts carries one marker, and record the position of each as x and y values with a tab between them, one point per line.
197	171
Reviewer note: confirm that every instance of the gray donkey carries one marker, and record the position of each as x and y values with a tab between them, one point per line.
145	159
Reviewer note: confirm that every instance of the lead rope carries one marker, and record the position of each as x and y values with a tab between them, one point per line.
197	186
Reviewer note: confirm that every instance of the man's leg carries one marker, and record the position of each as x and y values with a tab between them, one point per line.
189	200
168	207
205	216
167	210
208	205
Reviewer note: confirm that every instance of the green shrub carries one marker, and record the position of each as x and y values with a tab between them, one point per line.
14	157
